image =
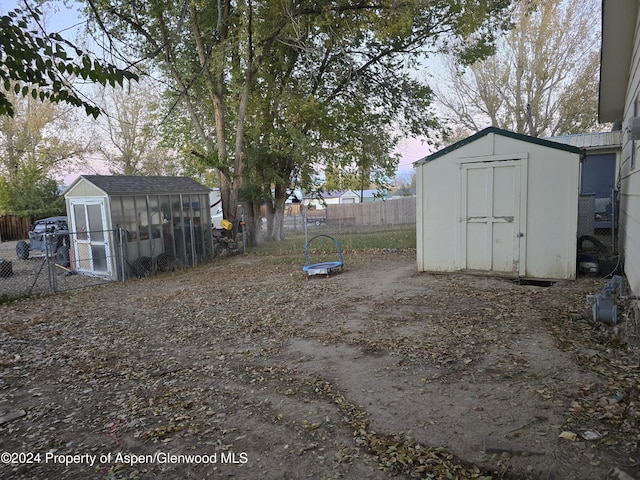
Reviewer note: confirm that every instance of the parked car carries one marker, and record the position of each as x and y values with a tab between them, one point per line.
47	235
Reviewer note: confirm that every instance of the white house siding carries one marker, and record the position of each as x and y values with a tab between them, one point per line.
347	197
629	225
548	210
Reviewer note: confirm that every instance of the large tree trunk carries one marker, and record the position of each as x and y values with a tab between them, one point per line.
270	217
253	223
277	232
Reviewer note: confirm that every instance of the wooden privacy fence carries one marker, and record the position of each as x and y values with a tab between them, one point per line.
14	228
389	212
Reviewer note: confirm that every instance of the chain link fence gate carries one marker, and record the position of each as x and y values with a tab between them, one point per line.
50	272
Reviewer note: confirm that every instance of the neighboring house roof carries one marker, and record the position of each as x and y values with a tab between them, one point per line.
337	193
591	141
143	185
618	30
504	133
376	193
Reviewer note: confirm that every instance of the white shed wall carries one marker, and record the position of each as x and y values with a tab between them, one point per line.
552	214
549	212
436	224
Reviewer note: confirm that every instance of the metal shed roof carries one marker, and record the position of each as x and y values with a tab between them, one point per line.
591	141
142	185
504	133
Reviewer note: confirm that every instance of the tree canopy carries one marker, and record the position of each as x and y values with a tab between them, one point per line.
542	80
268	91
127	135
45	65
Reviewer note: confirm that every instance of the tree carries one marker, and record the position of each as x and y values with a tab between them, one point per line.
128	135
36	144
405	184
30	193
266	89
347	88
44	65
543	79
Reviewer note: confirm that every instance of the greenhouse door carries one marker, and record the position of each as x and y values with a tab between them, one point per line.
91	240
490	228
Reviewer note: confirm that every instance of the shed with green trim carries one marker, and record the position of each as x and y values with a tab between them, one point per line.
502	203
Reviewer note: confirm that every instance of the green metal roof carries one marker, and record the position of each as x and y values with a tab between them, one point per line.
504	133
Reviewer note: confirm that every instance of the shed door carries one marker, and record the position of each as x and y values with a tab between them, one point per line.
491	216
91	252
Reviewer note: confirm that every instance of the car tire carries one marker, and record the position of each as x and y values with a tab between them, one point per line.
599	246
142	266
318	223
22	250
165	262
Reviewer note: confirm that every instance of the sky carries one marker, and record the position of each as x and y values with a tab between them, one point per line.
64	20
411	150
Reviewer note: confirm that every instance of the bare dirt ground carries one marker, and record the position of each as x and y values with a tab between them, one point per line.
243	369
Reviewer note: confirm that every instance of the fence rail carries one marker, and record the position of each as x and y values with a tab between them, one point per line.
14	228
389	212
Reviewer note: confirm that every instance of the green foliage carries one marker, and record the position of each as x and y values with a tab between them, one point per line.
31	194
43	66
270	91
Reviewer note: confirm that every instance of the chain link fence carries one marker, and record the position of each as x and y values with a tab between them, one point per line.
597	234
39	273
96	257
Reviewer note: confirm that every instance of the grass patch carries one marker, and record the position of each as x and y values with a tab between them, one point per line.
351	240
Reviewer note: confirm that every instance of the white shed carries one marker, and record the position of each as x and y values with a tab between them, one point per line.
499	202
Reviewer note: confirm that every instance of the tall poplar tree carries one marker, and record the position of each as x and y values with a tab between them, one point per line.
266	89
542	80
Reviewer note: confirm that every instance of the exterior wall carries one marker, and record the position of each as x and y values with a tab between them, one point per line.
350	197
552	214
176	224
436	224
629	225
347	197
84	189
550	225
